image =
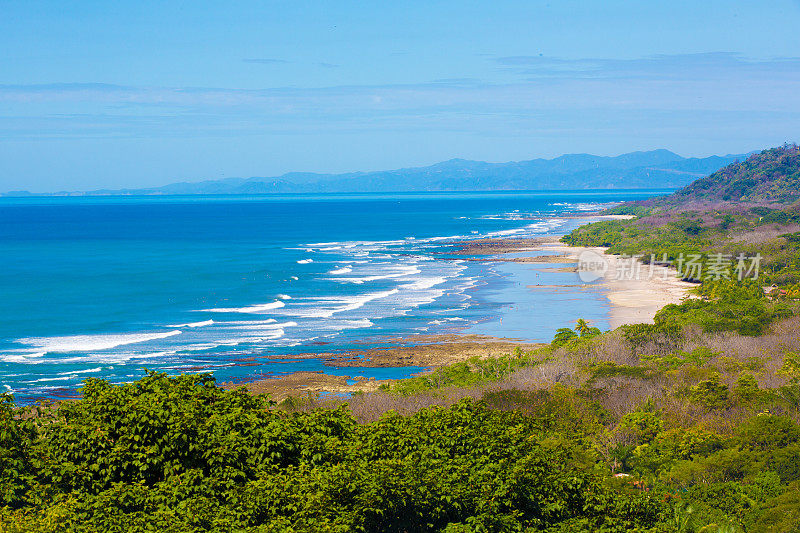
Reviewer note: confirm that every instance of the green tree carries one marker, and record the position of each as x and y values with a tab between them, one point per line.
582	326
746	388
711	393
563	336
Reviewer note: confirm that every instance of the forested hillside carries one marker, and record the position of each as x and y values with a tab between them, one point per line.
771	177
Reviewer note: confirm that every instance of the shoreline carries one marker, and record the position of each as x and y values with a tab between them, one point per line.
629	301
425	352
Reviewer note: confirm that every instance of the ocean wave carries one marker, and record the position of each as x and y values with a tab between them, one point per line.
337	304
193	324
446	320
305	261
529	229
506	232
247	322
349	245
260	308
447	238
424	283
584	206
394	272
87	343
346	324
27	358
70	375
153	355
265	326
343	270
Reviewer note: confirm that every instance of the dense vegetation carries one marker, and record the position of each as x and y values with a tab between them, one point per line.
182	454
689	424
773	176
701	221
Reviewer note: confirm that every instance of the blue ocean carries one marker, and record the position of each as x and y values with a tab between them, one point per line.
247	287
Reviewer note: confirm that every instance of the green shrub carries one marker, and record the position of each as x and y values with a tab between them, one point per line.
746	388
644	425
785	462
711	393
15	464
768	432
780	514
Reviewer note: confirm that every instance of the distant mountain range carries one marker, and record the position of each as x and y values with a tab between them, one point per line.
635	170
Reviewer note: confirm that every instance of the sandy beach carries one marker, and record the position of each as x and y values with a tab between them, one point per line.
633	299
635	291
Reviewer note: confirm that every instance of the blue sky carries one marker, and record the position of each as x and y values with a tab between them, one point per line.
128	94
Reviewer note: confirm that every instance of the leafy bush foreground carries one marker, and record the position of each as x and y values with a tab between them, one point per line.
181	454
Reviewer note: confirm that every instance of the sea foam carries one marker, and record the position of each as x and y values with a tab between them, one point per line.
260	308
88	343
193	324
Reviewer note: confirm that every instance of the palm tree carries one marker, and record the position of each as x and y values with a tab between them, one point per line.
582	327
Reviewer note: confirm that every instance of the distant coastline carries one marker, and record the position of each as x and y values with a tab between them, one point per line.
635	170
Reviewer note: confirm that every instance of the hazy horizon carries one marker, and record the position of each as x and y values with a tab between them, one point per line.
142	94
360	171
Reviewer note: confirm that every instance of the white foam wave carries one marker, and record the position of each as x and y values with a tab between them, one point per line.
193	324
153	355
343	270
87	371
354	244
448	238
305	261
530	229
247	322
338	325
86	343
261	308
424	283
446	320
265	326
393	272
356	324
344	304
28	358
584	206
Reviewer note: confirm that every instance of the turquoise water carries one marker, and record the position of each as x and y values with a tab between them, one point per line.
252	286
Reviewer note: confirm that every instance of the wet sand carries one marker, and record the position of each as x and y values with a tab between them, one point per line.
636	300
632	301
